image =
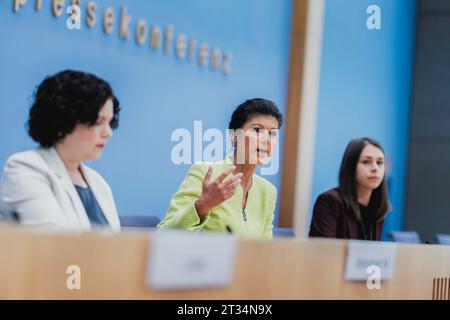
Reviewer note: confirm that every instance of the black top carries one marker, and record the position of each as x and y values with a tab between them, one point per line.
366	227
332	219
93	210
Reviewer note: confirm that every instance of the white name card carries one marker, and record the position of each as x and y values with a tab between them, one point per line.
184	260
367	259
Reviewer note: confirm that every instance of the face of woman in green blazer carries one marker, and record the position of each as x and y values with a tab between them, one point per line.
256	139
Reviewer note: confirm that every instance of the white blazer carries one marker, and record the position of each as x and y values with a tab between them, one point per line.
37	187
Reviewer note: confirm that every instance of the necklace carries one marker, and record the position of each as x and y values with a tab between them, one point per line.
363	229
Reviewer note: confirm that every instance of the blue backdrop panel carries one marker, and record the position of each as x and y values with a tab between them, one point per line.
365	90
158	92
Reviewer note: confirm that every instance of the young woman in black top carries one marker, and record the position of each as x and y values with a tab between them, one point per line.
357	207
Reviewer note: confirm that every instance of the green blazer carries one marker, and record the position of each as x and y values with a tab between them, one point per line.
253	222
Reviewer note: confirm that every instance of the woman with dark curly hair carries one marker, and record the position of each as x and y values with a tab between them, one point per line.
72	119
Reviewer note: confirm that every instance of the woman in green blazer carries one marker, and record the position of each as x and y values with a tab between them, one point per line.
244	203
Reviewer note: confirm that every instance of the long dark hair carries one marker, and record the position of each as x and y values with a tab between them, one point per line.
379	202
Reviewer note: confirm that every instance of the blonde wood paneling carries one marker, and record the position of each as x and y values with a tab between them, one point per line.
302	102
292	115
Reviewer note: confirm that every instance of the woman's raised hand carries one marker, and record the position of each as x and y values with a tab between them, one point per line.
217	191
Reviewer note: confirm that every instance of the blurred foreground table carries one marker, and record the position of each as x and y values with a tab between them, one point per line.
33	265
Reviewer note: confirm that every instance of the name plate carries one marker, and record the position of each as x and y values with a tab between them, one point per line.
368	259
184	260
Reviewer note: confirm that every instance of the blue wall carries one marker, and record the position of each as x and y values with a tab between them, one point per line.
158	93
365	90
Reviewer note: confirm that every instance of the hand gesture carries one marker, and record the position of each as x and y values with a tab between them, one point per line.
217	191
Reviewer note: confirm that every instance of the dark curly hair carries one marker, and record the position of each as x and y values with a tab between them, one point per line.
251	107
64	100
